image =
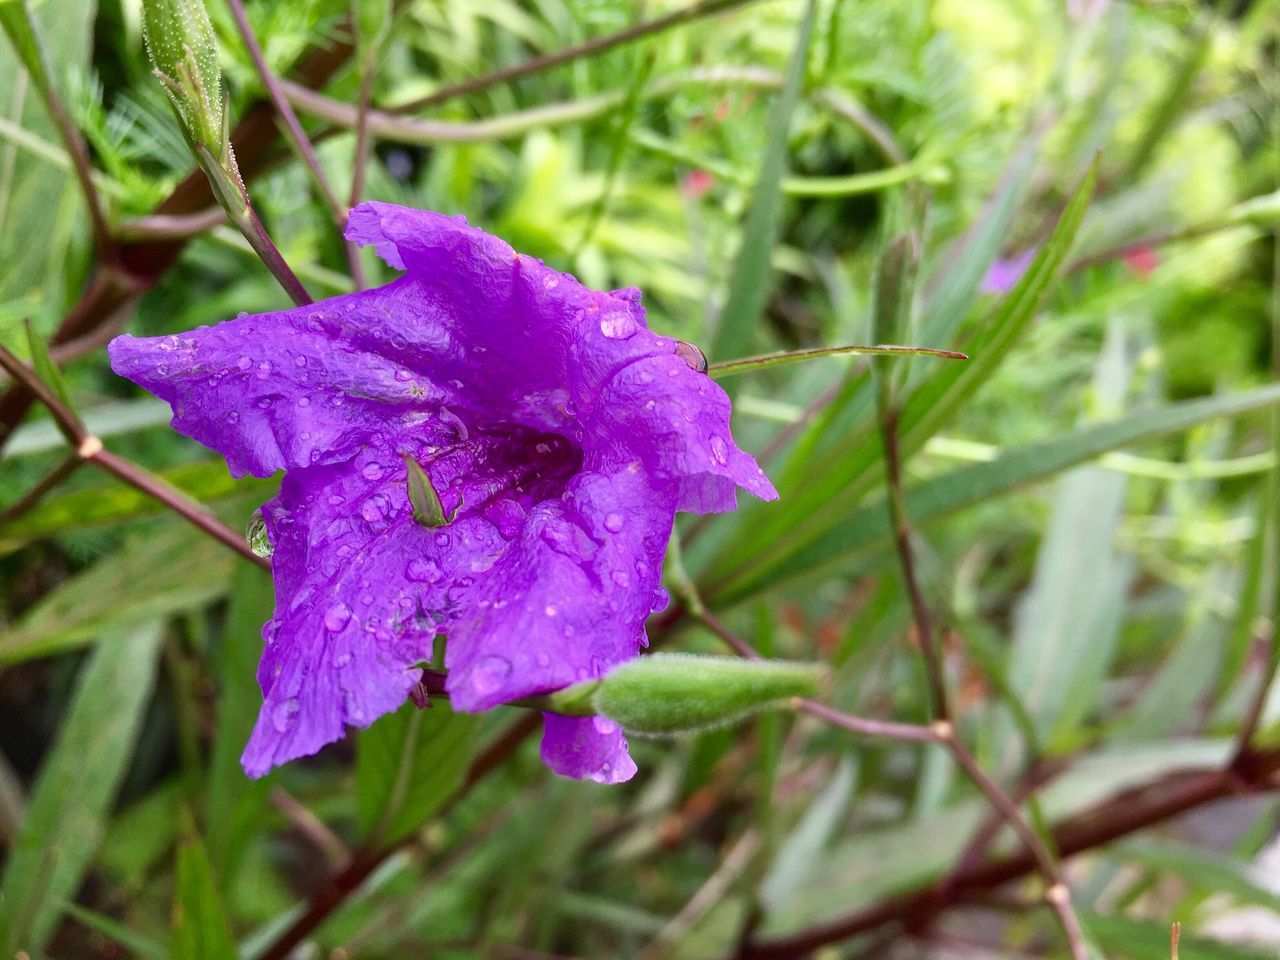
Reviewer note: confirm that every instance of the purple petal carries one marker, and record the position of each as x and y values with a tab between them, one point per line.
586	748
569	599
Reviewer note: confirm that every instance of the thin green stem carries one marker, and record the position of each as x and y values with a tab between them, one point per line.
729	368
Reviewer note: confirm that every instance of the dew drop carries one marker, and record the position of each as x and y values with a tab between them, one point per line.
621	579
256	534
233	417
372	471
244	363
264	402
337	617
544	659
341	660
404	376
489	674
304	401
300	361
336	499
613	522
551	610
617	325
604	725
423	571
442	539
264	369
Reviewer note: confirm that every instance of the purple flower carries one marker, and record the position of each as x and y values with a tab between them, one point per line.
1004	273
559	433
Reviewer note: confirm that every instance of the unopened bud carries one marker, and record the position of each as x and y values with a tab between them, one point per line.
184	51
666	694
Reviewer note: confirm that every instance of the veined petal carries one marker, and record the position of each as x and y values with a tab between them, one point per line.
303	386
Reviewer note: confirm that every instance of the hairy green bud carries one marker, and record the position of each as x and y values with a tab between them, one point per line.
184	51
671	693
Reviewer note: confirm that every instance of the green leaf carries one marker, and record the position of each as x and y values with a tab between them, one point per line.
749	285
137	944
236	804
200	928
175	568
112	502
1209	870
408	765
1123	938
866	530
811	836
1068	623
30	251
44	366
76	787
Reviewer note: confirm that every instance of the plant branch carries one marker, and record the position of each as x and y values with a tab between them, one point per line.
589	48
89	448
66	468
289	119
1058	894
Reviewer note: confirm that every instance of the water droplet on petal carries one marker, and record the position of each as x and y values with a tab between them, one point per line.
301	361
604	725
304	401
372	471
551	610
613	522
256	534
264	402
337	617
244	363
264	369
336	499
423	571
489	674
233	417
544	659
341	660
617	325
404	376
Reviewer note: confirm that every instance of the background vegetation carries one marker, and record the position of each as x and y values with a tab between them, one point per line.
1092	497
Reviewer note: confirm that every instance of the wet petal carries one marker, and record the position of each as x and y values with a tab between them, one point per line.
570	598
361	591
586	748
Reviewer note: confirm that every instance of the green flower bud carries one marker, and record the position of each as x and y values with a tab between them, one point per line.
672	693
184	51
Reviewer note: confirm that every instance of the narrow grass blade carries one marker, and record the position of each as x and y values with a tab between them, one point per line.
866	530
75	789
200	927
